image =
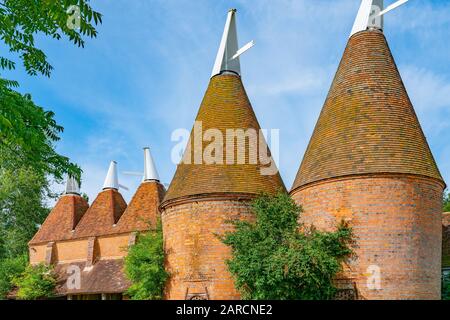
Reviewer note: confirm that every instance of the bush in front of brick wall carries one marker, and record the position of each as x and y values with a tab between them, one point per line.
446	287
144	266
447	202
36	282
11	268
274	259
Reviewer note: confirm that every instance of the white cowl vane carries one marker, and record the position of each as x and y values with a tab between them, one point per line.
72	186
150	173
371	15
112	180
227	59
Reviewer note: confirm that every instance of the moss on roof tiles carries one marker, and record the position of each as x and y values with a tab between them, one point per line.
225	106
368	124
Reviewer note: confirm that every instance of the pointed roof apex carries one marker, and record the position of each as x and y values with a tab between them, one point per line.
227	59
112	180
150	172
370	15
72	186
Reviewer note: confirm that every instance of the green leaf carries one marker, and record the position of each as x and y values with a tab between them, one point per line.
275	258
144	266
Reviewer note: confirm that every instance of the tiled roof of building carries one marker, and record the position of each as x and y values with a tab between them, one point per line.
368	124
62	219
225	106
446	240
105	276
142	212
103	214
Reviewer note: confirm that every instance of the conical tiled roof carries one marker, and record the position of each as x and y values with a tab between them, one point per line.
225	106
368	124
59	224
142	212
101	217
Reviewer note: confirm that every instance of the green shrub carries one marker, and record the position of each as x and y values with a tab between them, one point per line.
447	202
446	287
144	266
9	269
36	282
273	260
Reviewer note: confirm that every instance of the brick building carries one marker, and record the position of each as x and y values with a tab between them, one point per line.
368	163
87	244
201	198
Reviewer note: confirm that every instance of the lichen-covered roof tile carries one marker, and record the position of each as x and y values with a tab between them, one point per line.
368	124
225	106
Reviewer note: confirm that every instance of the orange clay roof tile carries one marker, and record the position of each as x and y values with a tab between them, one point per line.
101	217
368	124
62	219
106	276
142	213
225	106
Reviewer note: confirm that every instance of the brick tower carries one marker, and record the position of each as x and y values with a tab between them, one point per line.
368	162
204	195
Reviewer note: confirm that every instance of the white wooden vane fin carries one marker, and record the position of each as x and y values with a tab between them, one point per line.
243	49
228	55
393	6
112	180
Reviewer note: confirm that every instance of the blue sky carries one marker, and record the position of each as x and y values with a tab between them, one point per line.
146	73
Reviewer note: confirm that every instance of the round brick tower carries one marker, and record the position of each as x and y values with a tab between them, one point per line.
204	195
368	163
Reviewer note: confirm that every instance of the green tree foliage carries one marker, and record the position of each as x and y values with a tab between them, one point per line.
9	269
273	259
447	202
27	137
144	266
24	127
22	20
446	286
36	282
22	208
27	161
28	133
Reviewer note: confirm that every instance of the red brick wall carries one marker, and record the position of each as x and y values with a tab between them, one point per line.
397	225
195	257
